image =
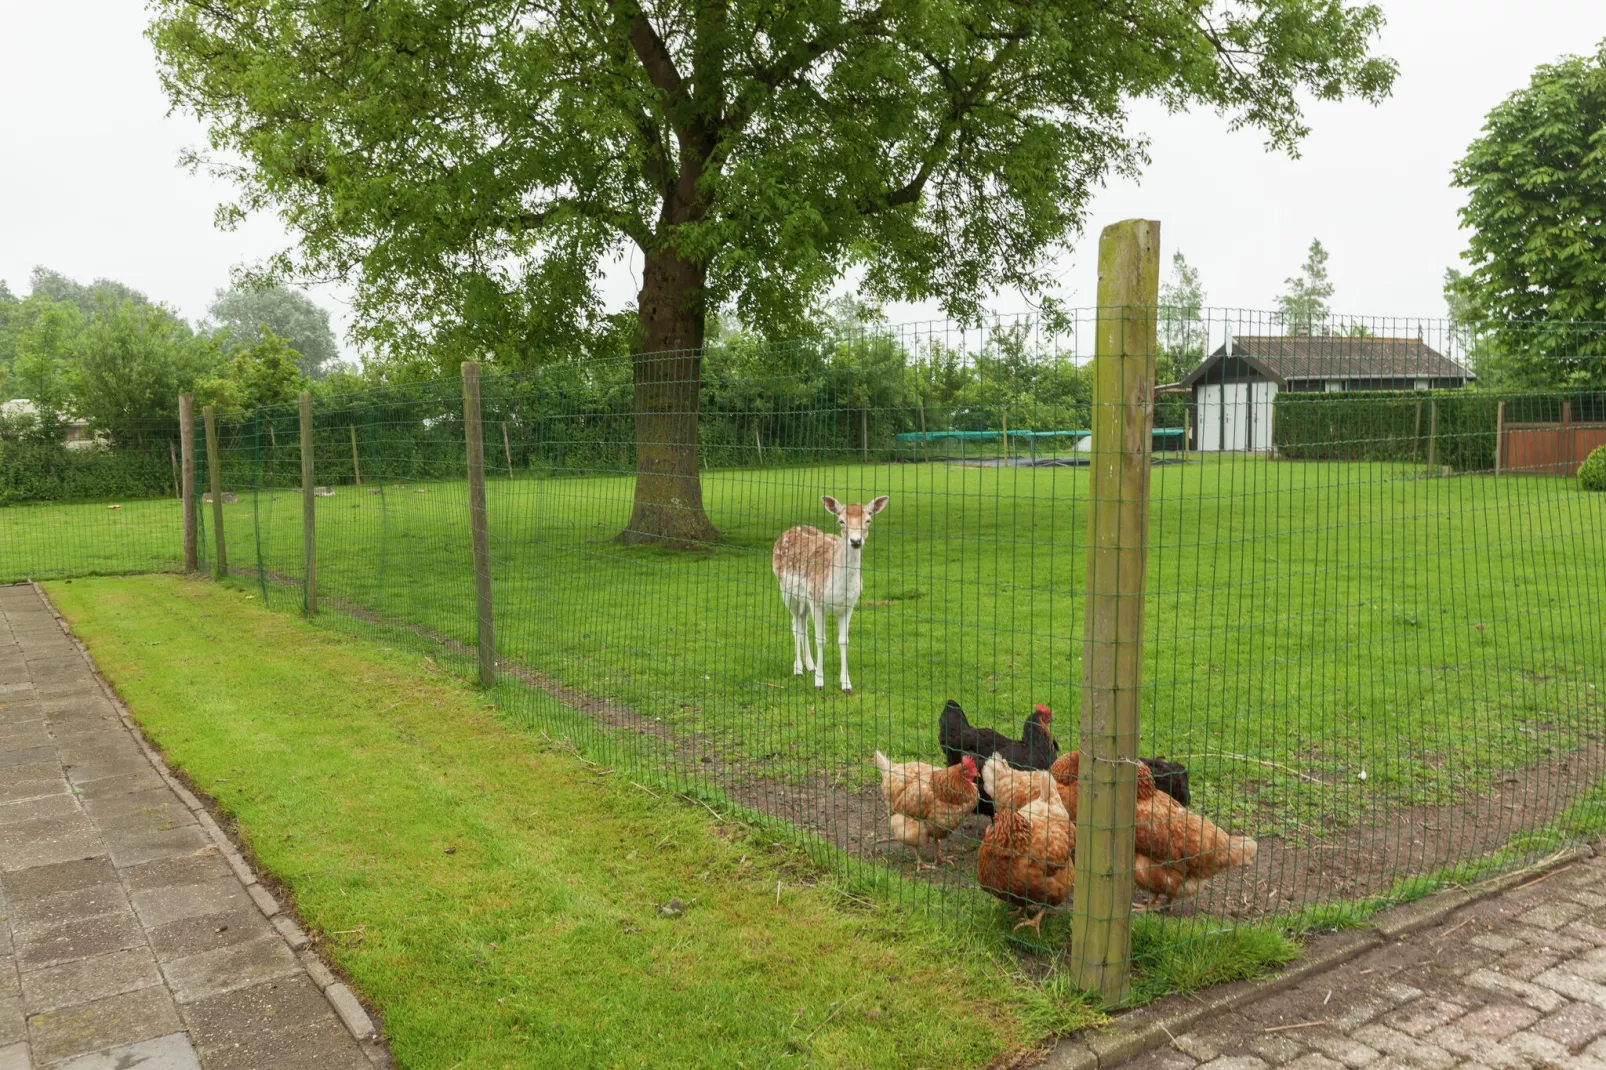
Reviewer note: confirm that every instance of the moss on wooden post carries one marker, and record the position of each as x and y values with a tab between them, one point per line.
1112	651
214	479
186	445
479	528
309	513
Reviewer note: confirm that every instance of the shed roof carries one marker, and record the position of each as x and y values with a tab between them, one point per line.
1284	357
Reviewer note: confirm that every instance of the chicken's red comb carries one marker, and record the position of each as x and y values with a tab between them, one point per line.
1042	709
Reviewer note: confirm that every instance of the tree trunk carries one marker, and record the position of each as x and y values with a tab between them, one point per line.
668	375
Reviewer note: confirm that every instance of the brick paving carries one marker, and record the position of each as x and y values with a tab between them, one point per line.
132	934
1514	982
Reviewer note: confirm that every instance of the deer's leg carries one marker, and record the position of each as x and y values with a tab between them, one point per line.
819	644
800	638
844	619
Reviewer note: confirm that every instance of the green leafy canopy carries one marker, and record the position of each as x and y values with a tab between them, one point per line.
1536	209
472	166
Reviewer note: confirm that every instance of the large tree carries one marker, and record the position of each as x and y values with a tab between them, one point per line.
470	166
252	313
1184	334
1536	201
1303	307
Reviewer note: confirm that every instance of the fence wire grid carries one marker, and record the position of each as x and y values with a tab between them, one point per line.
1372	647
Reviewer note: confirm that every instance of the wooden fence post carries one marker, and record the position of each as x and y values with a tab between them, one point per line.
186	446
1499	435
178	484
214	479
925	448
864	434
507	450
1187	432
1416	436
309	513
479	529
356	469
1433	433
1112	651
1004	417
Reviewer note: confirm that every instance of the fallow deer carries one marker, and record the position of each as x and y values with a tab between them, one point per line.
819	573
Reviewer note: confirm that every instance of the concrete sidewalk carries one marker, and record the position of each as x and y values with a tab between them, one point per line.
1513	982
131	932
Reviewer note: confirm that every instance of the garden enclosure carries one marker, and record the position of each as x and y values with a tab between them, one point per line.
1379	648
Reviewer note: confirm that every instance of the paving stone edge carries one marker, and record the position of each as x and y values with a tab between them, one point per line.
341	998
1148	1028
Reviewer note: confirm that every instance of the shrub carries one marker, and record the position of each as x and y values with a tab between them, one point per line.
1592	473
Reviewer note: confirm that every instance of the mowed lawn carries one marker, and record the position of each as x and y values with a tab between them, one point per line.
504	903
1307	622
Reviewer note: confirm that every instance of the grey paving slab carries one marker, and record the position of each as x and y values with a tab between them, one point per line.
1517	981
83	980
172	1052
127	937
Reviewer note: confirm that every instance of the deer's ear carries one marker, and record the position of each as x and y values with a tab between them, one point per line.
830	504
879	504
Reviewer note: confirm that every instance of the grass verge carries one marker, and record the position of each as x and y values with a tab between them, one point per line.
501	902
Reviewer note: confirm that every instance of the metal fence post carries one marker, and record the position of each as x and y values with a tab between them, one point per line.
479	530
309	513
186	445
1112	652
214	479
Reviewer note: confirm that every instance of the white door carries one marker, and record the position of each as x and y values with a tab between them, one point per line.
1235	416
1265	394
1207	433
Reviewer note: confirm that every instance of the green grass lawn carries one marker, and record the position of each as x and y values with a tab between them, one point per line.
498	898
1307	622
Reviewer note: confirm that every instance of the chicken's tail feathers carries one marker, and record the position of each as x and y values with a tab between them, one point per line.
1241	850
883	763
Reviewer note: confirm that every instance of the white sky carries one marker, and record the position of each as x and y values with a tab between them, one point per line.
89	182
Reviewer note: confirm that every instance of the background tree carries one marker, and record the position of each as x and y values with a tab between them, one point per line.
474	178
1303	307
1536	195
44	333
130	363
1183	331
267	372
43	282
288	313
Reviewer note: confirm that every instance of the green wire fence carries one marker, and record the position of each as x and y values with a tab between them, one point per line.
1371	622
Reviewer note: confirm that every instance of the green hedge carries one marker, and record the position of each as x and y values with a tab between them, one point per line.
1592	473
34	472
1456	427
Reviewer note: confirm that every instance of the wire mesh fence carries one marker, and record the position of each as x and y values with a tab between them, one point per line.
1371	650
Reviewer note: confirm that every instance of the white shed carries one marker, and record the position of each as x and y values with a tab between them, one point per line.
1234	389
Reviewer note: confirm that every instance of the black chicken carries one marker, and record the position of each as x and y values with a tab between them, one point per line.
1035	749
1170	777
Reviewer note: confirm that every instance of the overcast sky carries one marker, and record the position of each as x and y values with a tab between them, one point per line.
90	185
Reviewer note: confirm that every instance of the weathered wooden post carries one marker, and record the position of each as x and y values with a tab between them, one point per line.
178	483
1112	650
186	446
214	479
356	469
1433	433
309	514
507	449
479	530
864	434
925	448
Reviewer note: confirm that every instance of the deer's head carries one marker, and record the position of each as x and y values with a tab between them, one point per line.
854	519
